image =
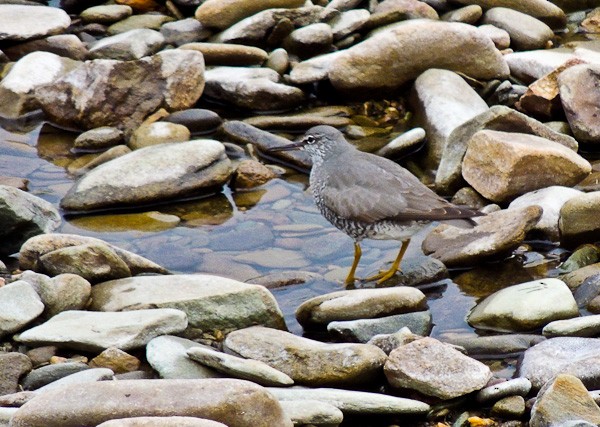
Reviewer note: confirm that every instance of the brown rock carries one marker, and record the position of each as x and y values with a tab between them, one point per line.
228	54
116	360
161	422
12	367
250	174
578	221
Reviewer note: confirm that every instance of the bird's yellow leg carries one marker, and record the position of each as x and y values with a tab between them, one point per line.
387	274
357	254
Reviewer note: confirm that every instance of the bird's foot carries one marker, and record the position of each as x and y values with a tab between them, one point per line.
382	276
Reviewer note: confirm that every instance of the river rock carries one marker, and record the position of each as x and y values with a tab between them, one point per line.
221	14
391	11
569	355
158	133
129	45
23	216
467	14
561	400
183	31
187	168
44	375
500	118
237	367
210	302
577	222
513	387
85	376
314	69
586	326
579	94
128	92
250	174
235	402
310	40
13	366
19	305
524	307
172	421
99	138
24	22
495	235
527	163
435	369
106	14
362	330
354	402
359	304
228	54
551	200
541	9
168	356
36	247
306	361
312	412
65	45
526	32
251	88
392	57
348	22
116	360
197	120
493	345
89	331
442	101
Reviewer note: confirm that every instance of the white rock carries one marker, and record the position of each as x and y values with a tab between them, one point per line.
21	22
19	305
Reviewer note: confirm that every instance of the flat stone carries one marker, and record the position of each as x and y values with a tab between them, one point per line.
577	223
168	356
106	14
362	330
564	399
348	22
228	54
91	331
513	387
524	307
306	361
404	143
21	22
237	367
129	45
42	376
145	21
235	402
527	163
182	31
197	120
99	138
504	345
354	402
359	304
435	369
569	355
81	377
19	305
161	422
211	303
586	326
494	236
313	412
541	9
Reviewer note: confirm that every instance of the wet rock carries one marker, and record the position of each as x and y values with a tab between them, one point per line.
130	45
158	133
495	345
237	367
254	89
85	376
354	402
359	304
99	138
306	361
89	331
36	247
184	31
197	120
223	14
23	22
576	278
499	118
228	54
168	356
541	9
581	257
524	307
443	101
61	293
513	387
564	399
309	41
45	375
569	355
579	94
130	90
107	156
210	302
250	174
401	57
528	163
312	412
274	258
362	330
106	14
188	168
23	216
577	222
389	342
551	200
116	360
526	32
435	369
495	235
238	403
19	305
297	121
12	367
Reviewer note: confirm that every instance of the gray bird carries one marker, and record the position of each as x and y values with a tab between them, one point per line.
368	196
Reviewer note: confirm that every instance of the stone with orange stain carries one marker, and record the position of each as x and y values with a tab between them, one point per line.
141	5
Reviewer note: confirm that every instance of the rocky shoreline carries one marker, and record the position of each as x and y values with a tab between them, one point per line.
506	112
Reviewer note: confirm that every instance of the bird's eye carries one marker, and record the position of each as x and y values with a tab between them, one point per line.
310	139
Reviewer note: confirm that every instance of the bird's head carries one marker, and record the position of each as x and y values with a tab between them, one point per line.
317	141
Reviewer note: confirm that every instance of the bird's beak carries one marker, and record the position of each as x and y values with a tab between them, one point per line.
289	147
